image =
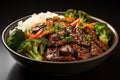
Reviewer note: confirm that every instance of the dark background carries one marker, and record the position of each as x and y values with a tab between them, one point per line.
107	10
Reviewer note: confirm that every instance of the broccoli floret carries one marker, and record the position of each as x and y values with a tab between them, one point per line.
84	17
33	48
15	39
71	13
42	45
104	33
29	49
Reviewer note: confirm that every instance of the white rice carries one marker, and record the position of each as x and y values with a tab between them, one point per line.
35	18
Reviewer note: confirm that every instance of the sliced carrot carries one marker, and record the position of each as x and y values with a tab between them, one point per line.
75	22
37	34
28	34
45	33
78	23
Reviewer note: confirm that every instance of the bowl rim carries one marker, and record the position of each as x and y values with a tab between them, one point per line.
66	62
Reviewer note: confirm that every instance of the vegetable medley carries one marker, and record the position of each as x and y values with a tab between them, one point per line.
74	37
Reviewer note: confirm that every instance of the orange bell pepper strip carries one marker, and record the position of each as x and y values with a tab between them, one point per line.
69	19
89	25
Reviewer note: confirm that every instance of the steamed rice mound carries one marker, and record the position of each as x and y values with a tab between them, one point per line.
35	18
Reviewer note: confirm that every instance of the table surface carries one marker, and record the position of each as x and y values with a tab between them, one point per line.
10	11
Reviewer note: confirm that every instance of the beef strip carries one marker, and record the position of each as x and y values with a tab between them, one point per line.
61	42
80	54
53	54
95	49
66	50
55	40
103	46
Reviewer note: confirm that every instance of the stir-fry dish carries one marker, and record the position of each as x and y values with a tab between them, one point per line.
53	37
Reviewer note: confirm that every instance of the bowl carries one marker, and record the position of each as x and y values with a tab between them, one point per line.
60	68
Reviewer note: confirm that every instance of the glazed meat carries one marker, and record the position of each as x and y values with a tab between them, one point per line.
79	47
66	50
55	40
53	54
